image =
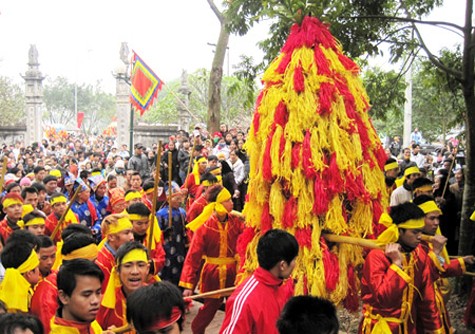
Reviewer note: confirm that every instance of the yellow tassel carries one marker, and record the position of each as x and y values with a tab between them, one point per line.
286	167
271	75
361	214
298	182
275	152
334	218
305	204
276	204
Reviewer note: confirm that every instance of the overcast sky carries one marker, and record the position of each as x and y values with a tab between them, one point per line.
81	39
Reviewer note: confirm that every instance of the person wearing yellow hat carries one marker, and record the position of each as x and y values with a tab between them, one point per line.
13	208
156	308
78	243
34	222
396	282
436	250
403	193
21	275
207	180
117	230
59	205
79	295
192	181
128	274
215	238
132	196
140	215
391	171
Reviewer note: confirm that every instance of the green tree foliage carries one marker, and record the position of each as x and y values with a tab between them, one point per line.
386	92
437	97
12	103
235	107
356	23
59	98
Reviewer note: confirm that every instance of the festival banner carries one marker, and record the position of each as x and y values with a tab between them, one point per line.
145	85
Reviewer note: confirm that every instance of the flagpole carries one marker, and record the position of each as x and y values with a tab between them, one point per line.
131	139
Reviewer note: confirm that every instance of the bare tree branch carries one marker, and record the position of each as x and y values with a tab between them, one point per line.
216	11
457	74
407	19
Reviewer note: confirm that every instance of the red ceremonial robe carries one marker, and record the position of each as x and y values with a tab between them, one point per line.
456	267
44	302
51	222
114	317
216	243
399	296
106	261
62	326
5	229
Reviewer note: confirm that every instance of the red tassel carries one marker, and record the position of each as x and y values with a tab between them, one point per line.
323	68
282	146
331	267
290	212
281	115
351	301
377	209
299	80
284	63
311	32
304	237
308	168
296	155
332	177
266	159
320	205
380	155
349	64
256	122
351	188
243	240
325	97
266	219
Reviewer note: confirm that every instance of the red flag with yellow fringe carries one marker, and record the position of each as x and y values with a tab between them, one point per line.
316	162
145	85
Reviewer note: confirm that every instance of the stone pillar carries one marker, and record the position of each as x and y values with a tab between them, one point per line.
122	97
184	117
34	98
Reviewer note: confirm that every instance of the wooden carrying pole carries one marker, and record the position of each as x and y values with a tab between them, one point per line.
155	194
170	189
352	240
63	216
4	172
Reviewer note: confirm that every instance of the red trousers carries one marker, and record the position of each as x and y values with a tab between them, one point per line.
205	315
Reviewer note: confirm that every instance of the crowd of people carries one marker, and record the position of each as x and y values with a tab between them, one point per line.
86	248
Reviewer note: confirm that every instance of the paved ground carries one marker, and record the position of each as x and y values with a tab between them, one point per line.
213	328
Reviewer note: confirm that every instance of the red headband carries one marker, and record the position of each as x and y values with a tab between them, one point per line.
162	323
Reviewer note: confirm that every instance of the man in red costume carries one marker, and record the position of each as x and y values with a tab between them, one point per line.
79	244
129	274
396	285
215	241
192	181
139	215
59	205
444	266
256	304
117	230
13	208
79	295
